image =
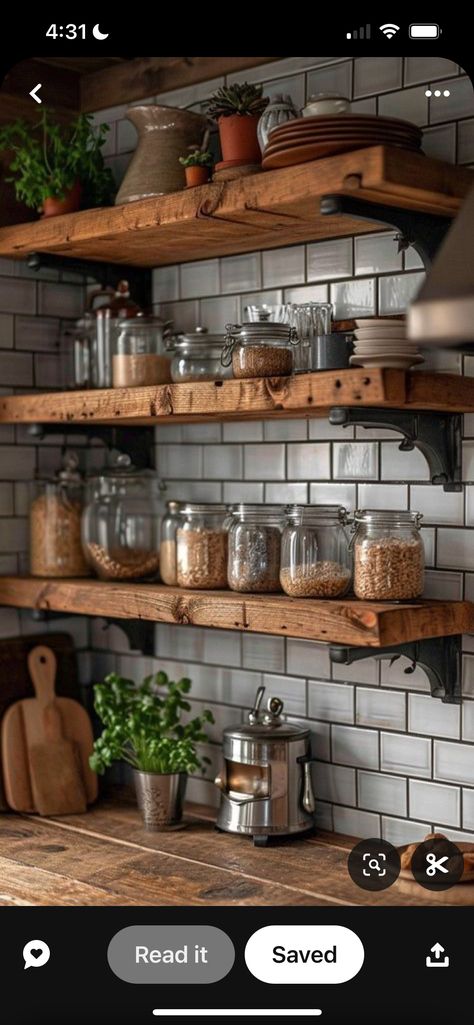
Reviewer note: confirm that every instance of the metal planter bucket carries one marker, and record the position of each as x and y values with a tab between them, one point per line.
160	798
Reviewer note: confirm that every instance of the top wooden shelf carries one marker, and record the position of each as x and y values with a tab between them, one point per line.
276	208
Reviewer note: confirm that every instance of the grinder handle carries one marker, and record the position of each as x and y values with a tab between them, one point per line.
308	799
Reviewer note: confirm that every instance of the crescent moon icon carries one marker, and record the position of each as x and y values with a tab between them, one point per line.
98	34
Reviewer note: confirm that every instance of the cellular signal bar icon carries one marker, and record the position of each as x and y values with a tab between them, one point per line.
360	33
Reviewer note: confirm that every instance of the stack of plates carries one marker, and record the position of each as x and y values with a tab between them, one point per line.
382	342
309	138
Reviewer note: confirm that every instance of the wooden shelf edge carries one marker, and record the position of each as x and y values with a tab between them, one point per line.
303	395
345	621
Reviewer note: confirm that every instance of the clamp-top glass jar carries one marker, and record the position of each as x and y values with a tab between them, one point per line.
201	546
120	524
55	524
262	349
254	548
315	556
388	554
197	357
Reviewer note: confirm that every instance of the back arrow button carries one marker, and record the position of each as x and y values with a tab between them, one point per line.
34	92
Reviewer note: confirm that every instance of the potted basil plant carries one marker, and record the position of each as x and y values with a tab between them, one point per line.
143	728
56	168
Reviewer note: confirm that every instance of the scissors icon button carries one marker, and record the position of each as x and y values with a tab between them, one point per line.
435	865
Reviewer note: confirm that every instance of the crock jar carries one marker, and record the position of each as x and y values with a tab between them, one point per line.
55	524
388	554
197	357
315	556
120	523
254	548
201	546
259	350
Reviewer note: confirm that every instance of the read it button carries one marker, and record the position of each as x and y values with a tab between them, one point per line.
304	954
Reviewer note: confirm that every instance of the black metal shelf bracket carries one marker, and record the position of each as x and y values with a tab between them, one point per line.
424	232
140	633
440	657
137	442
437	435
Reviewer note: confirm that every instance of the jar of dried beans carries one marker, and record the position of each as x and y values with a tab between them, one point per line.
260	350
389	558
55	524
201	546
315	556
254	548
120	524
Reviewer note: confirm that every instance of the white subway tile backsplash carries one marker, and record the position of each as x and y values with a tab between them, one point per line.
440	143
333	494
243	430
39	334
402	831
290	689
409	756
376	254
365	671
285	430
241	273
306	658
6	330
424	69
382	496
308	461
222	647
260	651
14	467
195	490
352	746
199	278
353	298
425	715
409	104
355	460
17	295
468	721
466	141
217	313
331	702
455	548
468	809
126	136
319	737
334	78
453	762
264	462
184	315
221	461
436	505
355	823
198	433
373	75
307	294
17	369
293	86
328	260
283	266
442	584
178	462
378	792
435	802
397	291
459	103
57	300
334	783
380	708
403	466
286	494
165	283
238	491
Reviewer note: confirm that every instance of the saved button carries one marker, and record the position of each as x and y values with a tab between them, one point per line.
319	954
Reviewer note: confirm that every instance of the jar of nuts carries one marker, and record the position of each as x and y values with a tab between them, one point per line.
315	555
389	557
55	524
262	349
254	548
121	520
201	546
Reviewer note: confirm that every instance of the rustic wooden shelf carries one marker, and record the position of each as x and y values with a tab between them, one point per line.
303	395
345	621
276	208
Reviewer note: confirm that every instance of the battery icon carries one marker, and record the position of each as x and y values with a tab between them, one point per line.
424	31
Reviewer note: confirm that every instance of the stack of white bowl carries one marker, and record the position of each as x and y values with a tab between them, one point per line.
382	342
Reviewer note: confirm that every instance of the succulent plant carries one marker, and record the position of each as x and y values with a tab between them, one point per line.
242	98
198	158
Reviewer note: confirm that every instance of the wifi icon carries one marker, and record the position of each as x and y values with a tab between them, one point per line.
389	30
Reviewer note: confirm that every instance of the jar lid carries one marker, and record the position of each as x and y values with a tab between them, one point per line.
298	514
140	323
201	338
259	511
280	730
122	468
189	508
388	516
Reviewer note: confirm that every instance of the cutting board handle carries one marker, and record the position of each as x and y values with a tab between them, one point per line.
42	667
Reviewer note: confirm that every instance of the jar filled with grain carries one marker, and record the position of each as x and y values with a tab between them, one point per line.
140	356
254	548
315	552
261	349
169	526
55	524
389	558
201	546
121	520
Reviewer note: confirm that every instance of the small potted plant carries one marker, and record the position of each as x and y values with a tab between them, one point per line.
143	728
197	167
237	110
56	168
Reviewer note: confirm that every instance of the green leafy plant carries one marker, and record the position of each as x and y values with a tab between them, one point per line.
143	727
49	158
242	98
198	158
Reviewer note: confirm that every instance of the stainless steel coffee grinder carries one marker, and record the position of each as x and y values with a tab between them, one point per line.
266	784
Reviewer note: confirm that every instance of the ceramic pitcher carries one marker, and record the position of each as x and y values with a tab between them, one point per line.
164	135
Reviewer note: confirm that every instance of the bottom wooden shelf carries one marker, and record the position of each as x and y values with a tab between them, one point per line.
344	621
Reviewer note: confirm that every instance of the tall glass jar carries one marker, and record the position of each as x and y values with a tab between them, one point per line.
120	524
140	357
259	350
315	556
55	524
254	548
197	357
201	546
389	556
169	526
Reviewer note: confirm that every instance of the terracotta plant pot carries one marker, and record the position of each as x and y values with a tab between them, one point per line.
196	175
71	201
238	135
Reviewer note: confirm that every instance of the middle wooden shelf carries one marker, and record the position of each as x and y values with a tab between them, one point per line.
337	621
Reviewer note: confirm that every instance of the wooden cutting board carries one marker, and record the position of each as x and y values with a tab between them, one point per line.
23	729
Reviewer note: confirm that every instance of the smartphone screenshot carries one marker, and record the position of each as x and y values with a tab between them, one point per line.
236	527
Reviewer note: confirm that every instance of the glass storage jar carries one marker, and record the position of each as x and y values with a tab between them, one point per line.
55	524
201	546
120	523
139	353
315	555
388	554
254	548
262	349
197	357
169	525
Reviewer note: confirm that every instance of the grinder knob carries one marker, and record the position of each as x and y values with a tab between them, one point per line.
220	782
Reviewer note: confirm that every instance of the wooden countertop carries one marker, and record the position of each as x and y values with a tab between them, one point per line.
106	858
